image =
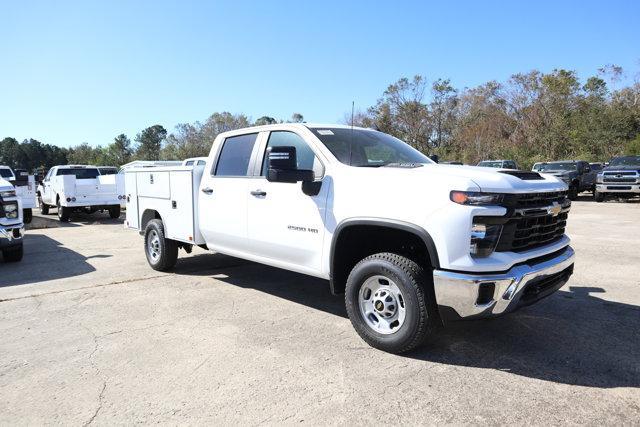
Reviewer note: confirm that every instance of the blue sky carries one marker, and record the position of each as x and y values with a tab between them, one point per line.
86	71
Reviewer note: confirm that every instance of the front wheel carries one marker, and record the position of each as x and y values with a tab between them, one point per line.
387	302
599	197
44	208
162	253
27	215
573	192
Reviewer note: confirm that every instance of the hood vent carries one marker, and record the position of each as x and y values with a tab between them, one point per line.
524	175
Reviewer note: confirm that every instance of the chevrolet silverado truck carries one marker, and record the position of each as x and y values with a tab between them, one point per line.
25	186
410	243
72	188
11	226
577	174
620	179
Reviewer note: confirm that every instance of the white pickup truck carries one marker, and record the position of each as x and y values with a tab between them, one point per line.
80	188
409	242
11	226
25	186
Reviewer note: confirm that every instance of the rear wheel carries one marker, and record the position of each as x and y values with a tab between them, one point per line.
387	302
13	254
63	212
162	253
114	212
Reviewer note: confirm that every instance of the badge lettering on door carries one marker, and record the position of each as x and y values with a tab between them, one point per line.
303	229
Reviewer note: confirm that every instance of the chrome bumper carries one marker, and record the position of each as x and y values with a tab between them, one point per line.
465	296
11	235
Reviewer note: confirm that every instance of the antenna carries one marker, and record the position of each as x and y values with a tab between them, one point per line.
351	143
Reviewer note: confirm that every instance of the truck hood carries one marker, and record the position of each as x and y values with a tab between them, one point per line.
463	178
5	185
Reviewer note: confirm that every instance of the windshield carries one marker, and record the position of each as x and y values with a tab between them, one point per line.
490	164
368	148
548	167
108	171
625	161
537	167
6	173
80	173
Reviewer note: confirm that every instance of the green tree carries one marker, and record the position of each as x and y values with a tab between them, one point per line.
119	151
265	120
150	142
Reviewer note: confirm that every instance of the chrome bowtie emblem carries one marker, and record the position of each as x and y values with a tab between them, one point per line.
554	209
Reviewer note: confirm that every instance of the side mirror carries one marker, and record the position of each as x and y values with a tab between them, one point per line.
434	157
283	166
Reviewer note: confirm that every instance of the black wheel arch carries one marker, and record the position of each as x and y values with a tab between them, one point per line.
337	282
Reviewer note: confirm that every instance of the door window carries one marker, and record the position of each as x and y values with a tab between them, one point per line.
235	155
305	157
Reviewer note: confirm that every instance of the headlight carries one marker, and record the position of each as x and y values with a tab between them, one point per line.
484	238
9	193
599	178
11	210
475	198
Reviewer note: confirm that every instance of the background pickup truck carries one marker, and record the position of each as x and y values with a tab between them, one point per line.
410	243
620	179
11	226
80	188
577	174
25	186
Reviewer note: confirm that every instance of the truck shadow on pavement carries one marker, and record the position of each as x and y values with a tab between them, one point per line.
572	337
44	259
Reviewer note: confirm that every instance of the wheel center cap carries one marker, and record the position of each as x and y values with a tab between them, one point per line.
379	305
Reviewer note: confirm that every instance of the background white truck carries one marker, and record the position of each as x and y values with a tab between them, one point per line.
11	226
409	242
72	188
25	187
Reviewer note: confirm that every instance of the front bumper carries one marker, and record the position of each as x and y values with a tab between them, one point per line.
618	188
11	235
467	296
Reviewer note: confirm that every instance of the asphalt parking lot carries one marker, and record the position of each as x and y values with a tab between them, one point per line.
90	334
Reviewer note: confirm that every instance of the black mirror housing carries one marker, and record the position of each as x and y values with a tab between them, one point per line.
283	166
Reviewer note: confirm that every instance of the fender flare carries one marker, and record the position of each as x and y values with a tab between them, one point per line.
383	222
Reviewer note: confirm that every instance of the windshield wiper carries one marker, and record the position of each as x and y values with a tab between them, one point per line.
409	165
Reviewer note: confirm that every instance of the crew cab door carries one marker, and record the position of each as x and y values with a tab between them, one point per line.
222	208
285	224
588	177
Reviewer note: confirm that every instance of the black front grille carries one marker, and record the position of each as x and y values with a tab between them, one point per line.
534	200
607	179
530	224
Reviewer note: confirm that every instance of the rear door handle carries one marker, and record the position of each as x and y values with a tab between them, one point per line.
207	190
258	193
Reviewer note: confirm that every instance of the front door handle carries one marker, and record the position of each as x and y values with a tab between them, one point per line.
258	193
207	190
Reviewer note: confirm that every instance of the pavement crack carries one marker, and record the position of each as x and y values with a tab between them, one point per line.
97	411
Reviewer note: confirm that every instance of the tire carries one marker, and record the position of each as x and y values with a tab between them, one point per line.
114	212
599	197
63	212
44	208
386	270
162	253
27	215
573	192
13	254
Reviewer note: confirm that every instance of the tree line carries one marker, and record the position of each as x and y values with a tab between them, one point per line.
531	117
